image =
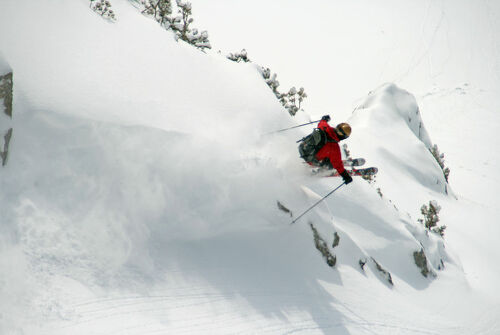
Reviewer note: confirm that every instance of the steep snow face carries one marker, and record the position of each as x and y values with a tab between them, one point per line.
389	130
129	72
402	105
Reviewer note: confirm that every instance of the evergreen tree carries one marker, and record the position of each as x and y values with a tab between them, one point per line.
160	10
431	217
292	100
440	159
241	56
180	25
103	8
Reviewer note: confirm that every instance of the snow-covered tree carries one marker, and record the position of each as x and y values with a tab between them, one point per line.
271	80
292	100
431	217
440	159
237	57
103	8
160	10
180	25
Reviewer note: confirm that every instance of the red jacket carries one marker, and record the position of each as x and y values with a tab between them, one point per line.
331	149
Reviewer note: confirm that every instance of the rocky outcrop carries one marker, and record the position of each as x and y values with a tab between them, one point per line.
386	275
5	151
6	84
382	273
421	262
6	92
322	247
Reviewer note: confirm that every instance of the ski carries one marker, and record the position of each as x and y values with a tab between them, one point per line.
346	162
354	162
358	172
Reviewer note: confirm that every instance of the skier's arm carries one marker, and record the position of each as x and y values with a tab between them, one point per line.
323	125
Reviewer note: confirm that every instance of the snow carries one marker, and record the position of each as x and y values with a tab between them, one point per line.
141	190
388	114
4	66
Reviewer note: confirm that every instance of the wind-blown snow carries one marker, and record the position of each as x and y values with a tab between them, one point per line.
141	196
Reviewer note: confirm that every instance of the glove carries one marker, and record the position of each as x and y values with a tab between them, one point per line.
325	118
346	176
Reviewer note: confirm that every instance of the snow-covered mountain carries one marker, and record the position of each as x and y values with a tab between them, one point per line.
143	193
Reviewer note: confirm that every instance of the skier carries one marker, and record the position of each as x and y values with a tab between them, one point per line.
329	155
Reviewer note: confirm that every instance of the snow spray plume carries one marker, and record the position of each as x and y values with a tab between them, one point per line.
317	202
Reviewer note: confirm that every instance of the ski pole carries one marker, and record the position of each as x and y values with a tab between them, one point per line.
300	125
317	202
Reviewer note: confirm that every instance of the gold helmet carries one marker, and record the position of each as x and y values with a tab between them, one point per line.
344	129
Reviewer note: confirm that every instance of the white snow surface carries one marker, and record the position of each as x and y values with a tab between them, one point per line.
140	195
4	66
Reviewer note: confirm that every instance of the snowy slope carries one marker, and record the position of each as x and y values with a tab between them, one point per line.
444	52
389	127
141	196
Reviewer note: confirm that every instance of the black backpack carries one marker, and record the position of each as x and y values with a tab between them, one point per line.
310	145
